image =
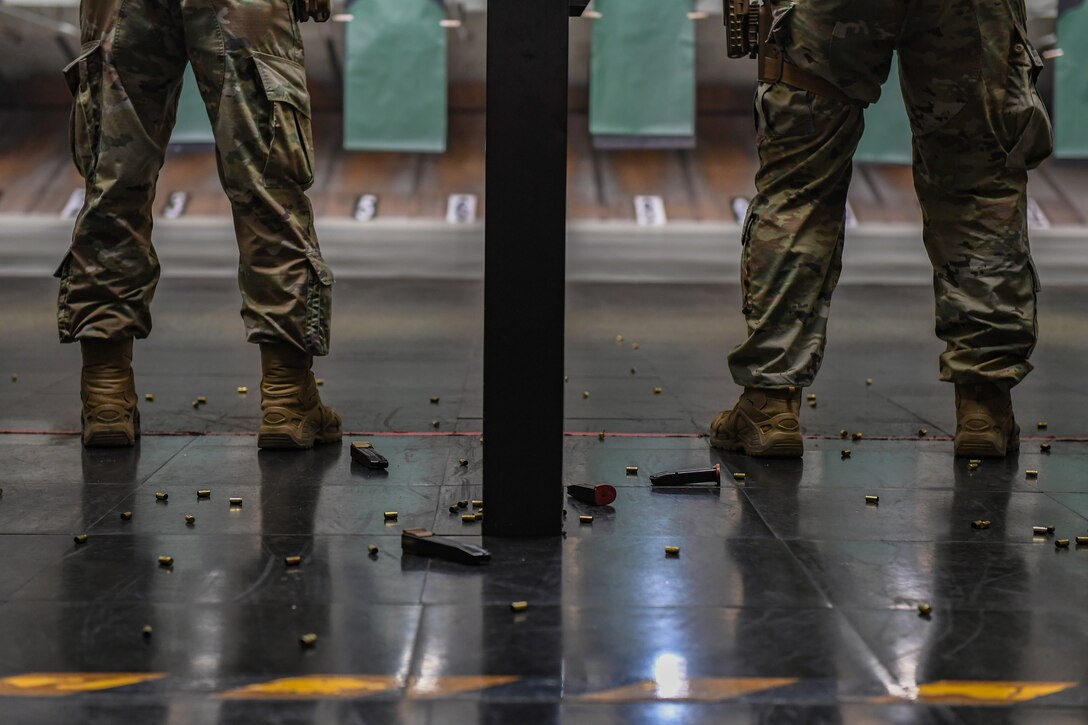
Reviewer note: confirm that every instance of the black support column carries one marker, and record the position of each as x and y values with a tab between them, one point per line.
525	265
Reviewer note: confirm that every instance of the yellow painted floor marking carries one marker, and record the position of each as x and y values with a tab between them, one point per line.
697	689
427	687
969	692
41	684
315	687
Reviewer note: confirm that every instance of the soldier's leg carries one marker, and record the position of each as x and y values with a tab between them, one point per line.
793	235
248	60
979	126
125	85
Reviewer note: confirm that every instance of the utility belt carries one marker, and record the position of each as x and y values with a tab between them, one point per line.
319	10
749	27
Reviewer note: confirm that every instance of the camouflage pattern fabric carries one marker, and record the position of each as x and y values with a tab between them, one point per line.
248	60
968	76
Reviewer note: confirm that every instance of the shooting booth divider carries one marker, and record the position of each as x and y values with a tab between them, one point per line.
1071	86
525	265
642	74
887	137
395	96
192	126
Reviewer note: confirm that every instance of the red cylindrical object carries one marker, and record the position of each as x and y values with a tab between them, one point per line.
600	495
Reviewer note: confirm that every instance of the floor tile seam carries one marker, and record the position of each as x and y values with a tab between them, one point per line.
617	605
954	488
945	435
813	581
356	603
783	543
889	677
953	607
417	638
743	491
944	542
1050	495
90	526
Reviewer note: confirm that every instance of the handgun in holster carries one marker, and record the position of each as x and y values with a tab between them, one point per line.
751	32
319	10
742	19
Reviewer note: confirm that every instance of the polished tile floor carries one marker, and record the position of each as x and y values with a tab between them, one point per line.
793	600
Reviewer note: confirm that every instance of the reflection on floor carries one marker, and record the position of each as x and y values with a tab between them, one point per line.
792	600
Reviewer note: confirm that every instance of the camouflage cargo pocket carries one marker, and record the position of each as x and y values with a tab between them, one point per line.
64	312
784	112
1028	137
746	260
291	150
318	305
84	78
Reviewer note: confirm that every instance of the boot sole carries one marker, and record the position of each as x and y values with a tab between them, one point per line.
286	442
781	448
984	449
109	439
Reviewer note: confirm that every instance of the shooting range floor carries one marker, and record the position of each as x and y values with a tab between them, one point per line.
792	599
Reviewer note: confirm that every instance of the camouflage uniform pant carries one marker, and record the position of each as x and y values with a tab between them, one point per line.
248	59
968	74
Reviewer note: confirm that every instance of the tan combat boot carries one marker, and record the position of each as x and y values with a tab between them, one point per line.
292	414
108	391
985	426
764	423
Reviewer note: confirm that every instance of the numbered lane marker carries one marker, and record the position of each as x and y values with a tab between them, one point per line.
851	217
740	206
366	208
650	211
175	205
461	209
75	203
1037	218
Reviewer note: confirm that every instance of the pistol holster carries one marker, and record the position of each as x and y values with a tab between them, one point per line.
742	27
